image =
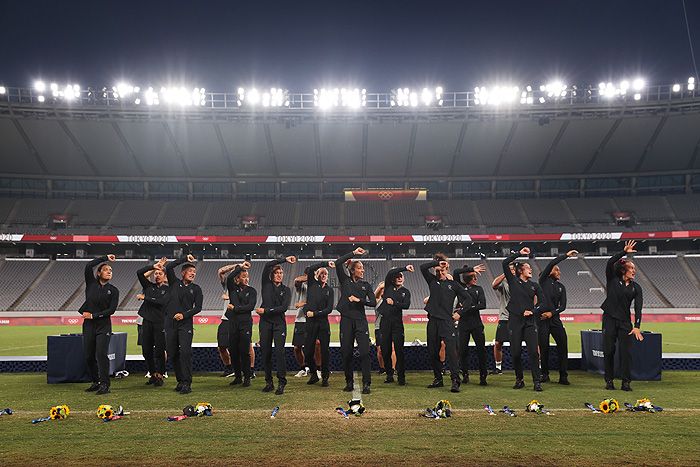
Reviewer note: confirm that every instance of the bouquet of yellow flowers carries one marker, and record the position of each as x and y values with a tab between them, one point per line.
643	405
609	405
59	412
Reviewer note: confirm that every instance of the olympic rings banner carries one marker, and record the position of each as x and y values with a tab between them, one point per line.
388	194
74	319
282	239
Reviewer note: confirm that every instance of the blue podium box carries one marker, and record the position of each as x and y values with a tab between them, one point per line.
65	360
646	356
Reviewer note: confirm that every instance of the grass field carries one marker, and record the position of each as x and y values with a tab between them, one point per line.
308	431
31	340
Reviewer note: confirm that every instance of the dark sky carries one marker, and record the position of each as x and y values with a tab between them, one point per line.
378	45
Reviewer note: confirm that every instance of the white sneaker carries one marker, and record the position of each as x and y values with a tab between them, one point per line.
302	373
165	375
147	375
318	373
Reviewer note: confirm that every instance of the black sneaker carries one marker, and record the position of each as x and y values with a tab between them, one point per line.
366	389
402	381
544	378
93	387
280	389
246	382
381	371
564	380
437	383
313	379
228	371
482	381
236	380
104	389
268	387
497	371
519	384
151	380
324	382
389	379
348	387
626	386
465	378
186	389
609	385
178	388
455	385
252	373
538	386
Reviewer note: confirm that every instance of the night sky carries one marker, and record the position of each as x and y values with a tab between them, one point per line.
300	45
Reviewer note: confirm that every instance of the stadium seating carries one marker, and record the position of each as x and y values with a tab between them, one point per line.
362	217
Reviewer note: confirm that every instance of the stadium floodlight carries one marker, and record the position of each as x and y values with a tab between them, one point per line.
41	99
69	93
353	98
413	98
151	96
326	98
555	89
496	95
638	84
637	96
426	96
253	96
542	100
691	84
676	87
137	101
39	86
2	90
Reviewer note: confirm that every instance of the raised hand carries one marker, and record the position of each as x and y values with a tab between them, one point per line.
331	264
191	258
629	246
479	268
245	265
111	258
525	251
410	268
359	251
443	264
291	259
571	253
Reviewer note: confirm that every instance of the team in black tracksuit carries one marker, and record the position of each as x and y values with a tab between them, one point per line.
353	321
185	302
276	298
152	310
441	323
470	324
522	295
555	303
391	326
319	304
617	327
242	300
101	300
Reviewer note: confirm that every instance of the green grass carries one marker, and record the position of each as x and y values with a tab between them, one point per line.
31	340
307	430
